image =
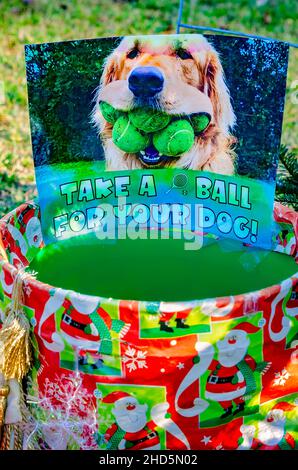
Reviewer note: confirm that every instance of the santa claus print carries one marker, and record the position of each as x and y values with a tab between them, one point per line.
21	234
272	433
132	429
87	327
231	379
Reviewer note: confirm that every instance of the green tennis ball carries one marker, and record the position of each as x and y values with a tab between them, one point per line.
200	122
109	113
178	137
149	120
127	137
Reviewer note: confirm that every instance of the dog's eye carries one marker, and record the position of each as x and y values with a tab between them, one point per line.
133	53
183	54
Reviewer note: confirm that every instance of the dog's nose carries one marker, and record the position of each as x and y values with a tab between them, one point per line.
145	81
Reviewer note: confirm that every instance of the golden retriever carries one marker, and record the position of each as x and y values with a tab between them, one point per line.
181	75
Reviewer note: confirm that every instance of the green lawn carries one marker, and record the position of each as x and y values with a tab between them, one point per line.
44	20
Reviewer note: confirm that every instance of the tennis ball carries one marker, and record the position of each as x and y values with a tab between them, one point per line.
127	137
149	120
109	113
200	122
178	137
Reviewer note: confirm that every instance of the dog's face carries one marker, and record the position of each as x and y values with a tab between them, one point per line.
178	75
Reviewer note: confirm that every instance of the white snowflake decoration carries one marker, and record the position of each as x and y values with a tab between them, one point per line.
62	414
281	377
134	359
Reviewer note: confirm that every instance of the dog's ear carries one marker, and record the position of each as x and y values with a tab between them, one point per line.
216	88
110	69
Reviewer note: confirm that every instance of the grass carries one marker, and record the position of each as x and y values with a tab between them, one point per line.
43	21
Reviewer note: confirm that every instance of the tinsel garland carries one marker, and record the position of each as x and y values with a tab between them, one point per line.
15	360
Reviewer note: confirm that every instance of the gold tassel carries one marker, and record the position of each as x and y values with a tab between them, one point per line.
15	359
4	391
15	351
15	346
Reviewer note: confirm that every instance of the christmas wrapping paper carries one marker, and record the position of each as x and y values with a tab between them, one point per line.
114	374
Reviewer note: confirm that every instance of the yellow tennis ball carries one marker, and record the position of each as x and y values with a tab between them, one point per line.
127	137
200	122
149	120
109	113
177	138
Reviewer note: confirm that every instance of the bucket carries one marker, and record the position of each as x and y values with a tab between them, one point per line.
215	373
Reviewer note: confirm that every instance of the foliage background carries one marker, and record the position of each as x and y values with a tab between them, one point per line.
36	21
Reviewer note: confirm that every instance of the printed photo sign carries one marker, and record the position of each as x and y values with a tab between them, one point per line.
177	131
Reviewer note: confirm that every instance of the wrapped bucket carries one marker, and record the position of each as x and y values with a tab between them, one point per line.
101	377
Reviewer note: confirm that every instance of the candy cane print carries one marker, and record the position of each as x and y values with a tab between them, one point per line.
7	288
158	415
51	306
285	322
17	236
292	311
214	309
206	353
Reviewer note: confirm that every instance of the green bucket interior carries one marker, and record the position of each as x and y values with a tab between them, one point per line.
159	270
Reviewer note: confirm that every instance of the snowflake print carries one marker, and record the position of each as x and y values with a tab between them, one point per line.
134	359
180	365
97	393
281	377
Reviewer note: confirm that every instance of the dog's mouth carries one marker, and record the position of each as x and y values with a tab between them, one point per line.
151	156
